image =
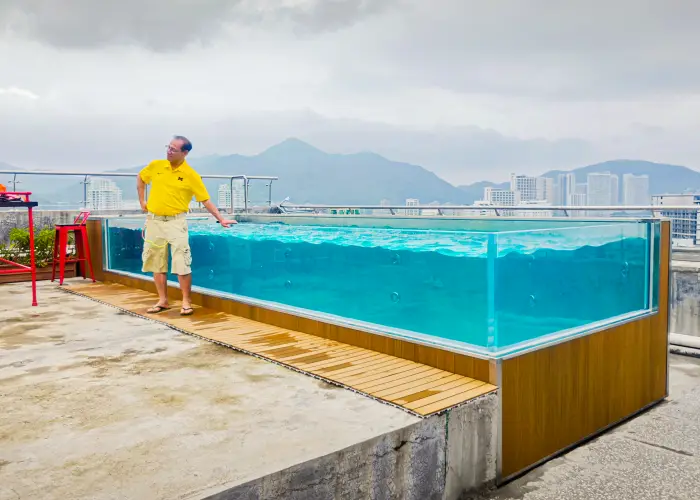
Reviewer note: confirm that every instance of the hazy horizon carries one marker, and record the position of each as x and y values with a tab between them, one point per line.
468	90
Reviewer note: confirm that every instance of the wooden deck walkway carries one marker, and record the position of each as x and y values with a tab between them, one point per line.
419	388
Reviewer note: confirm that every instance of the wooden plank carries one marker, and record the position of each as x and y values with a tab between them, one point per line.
391	378
402	371
444	360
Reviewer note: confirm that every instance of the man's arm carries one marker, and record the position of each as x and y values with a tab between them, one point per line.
144	177
141	188
211	208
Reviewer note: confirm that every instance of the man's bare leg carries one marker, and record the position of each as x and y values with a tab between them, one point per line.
161	280
186	288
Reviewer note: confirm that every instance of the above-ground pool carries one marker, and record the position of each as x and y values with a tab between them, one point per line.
483	285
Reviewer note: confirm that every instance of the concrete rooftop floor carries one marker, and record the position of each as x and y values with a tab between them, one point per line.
98	404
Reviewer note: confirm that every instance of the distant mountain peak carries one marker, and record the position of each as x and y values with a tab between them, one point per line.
292	146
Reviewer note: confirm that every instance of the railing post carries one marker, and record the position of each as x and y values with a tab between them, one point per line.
230	206
85	185
245	194
269	194
14	183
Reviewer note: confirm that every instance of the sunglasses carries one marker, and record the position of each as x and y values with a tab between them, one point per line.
171	149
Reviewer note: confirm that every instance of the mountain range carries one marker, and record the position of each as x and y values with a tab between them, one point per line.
309	175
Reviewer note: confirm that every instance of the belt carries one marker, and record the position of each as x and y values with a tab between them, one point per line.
167	217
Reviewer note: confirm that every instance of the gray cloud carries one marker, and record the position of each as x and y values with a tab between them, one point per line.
160	25
563	84
542	49
168	25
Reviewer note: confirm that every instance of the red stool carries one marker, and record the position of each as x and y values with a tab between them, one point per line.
82	246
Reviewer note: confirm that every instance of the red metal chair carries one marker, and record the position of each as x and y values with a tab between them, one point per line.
82	246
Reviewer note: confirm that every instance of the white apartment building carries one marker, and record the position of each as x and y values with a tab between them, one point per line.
545	190
525	185
502	197
635	189
103	194
412	202
225	197
600	189
565	189
684	223
536	211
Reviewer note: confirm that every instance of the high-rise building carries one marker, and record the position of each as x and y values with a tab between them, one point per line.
525	185
635	190
537	210
545	190
684	223
412	202
614	189
578	200
226	197
103	194
600	189
501	197
566	188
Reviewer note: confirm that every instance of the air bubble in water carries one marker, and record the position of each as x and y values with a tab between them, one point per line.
396	259
288	284
533	301
211	274
625	270
395	297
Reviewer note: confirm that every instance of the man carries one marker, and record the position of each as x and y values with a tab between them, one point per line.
173	184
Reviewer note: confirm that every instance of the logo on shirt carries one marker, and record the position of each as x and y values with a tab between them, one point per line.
180	179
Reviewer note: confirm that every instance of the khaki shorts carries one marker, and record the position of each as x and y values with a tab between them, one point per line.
162	231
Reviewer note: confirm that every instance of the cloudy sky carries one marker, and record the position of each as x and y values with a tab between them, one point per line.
469	89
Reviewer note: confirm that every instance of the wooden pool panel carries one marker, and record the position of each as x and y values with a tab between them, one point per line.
417	387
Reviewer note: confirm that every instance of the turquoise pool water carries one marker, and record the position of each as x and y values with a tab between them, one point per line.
490	289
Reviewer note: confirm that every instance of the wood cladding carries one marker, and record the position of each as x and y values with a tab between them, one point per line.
417	387
560	395
443	360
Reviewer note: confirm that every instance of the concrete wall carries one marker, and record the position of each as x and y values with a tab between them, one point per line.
685	298
440	458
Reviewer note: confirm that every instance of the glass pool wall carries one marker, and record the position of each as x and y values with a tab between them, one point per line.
496	289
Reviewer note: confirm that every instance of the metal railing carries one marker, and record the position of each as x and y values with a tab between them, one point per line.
685	218
87	175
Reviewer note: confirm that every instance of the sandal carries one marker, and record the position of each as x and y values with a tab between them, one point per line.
157	309
186	311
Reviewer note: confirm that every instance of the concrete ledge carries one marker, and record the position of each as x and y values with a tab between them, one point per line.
442	458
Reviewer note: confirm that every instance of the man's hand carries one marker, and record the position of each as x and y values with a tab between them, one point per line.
144	207
227	223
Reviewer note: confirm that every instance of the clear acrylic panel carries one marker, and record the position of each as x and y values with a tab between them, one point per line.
550	281
425	281
488	289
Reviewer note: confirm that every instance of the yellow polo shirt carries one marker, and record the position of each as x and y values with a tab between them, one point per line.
172	189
